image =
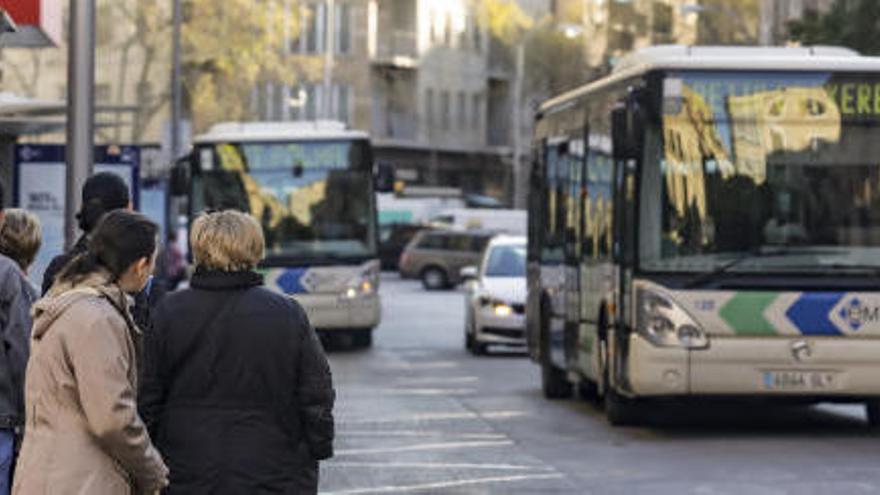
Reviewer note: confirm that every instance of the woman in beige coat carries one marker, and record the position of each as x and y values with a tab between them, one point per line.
83	434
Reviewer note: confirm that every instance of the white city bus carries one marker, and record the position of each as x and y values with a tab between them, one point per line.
310	184
706	222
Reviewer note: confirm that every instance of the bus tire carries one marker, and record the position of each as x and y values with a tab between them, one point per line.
620	410
554	383
872	408
362	339
434	278
588	390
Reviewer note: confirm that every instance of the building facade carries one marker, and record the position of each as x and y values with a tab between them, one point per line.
422	76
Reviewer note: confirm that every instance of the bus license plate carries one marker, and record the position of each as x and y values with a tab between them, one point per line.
800	380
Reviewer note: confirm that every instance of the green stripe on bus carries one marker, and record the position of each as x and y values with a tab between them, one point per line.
745	313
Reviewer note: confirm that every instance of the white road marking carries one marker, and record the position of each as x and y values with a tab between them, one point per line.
430	380
430	365
438	465
426	391
434	417
427	446
445	484
421	433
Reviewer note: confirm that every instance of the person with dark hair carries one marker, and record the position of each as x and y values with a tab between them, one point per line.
16	298
83	433
236	387
103	192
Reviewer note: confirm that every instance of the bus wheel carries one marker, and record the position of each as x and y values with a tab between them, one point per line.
620	410
588	390
872	407
362	339
553	380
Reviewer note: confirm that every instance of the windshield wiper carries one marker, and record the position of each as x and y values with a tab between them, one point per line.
705	278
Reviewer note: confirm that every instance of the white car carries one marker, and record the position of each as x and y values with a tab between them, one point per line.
496	295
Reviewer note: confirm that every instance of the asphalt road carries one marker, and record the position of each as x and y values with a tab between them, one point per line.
417	414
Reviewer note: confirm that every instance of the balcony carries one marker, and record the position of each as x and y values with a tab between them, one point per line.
397	49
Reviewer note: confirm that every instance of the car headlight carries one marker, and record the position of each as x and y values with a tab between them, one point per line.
666	324
498	307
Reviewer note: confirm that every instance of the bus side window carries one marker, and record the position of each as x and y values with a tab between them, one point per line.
536	214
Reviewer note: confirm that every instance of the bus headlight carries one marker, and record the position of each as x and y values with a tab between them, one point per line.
363	285
666	324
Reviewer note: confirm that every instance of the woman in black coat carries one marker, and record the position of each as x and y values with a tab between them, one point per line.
237	391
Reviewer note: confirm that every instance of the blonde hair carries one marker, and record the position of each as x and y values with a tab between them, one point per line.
228	241
21	237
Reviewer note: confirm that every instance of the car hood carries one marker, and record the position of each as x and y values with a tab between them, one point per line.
511	290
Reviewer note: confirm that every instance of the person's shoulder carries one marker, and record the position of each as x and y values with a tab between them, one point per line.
277	300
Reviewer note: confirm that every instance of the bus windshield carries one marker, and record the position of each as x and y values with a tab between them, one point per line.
312	198
770	171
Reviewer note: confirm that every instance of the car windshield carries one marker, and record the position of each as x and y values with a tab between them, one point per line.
313	198
783	167
506	261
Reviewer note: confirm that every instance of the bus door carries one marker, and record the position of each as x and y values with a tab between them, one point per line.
552	250
574	162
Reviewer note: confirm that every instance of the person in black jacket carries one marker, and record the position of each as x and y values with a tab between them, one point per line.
237	390
102	193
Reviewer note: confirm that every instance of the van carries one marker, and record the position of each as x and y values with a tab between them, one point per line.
436	257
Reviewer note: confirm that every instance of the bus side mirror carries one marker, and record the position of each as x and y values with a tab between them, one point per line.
180	176
384	178
626	133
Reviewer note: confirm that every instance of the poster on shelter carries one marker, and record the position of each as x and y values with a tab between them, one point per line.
40	188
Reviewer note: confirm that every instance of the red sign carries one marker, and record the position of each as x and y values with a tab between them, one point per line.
38	22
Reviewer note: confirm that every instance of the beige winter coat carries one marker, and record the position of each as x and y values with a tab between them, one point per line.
83	433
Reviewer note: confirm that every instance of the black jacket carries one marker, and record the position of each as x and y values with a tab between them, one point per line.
237	391
59	262
143	302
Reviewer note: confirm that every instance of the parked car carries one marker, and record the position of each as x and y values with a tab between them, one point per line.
393	238
437	256
495	301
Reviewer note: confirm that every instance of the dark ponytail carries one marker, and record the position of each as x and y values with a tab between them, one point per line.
120	238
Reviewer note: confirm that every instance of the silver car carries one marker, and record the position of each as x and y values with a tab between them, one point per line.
496	295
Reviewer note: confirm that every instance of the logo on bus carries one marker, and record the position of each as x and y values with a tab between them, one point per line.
856	315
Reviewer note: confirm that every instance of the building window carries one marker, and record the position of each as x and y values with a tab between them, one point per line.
342	100
103	93
304	101
429	107
447	30
444	110
433	30
462	110
311	36
343	29
477	109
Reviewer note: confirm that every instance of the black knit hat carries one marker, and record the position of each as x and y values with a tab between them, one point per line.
102	192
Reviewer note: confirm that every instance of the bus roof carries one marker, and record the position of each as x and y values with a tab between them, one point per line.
680	57
237	132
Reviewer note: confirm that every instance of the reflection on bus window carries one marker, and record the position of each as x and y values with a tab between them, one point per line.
751	161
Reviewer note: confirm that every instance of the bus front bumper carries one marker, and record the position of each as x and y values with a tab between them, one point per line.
772	367
335	312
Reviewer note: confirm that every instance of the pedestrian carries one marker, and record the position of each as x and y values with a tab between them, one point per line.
21	237
237	389
83	434
171	267
19	242
102	193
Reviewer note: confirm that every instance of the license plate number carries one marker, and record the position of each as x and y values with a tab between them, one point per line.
799	380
